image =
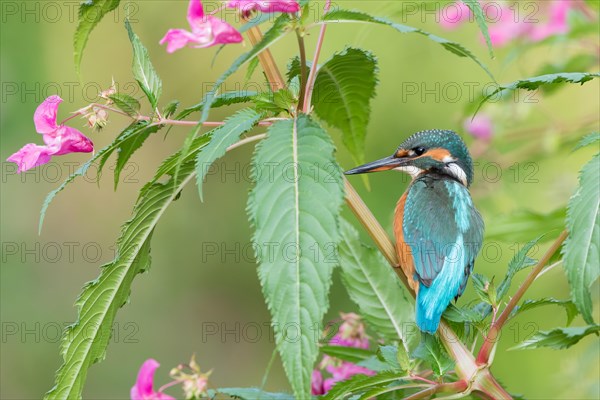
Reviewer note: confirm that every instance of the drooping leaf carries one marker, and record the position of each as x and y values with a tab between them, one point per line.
101	155
220	139
91	13
581	250
143	71
294	206
558	338
522	225
375	288
276	32
126	103
253	394
224	99
341	15
128	146
350	354
84	342
343	90
359	383
431	351
477	11
588	139
568	305
537	81
519	262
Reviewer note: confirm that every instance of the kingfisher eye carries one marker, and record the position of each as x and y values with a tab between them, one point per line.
419	150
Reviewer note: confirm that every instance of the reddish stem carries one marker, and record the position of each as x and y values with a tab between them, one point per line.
312	76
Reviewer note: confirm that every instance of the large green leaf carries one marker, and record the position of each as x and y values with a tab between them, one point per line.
84	343
477	10
341	15
91	13
558	338
126	103
582	247
342	95
431	350
588	139
143	71
220	139
274	33
375	288
568	305
351	354
294	208
535	82
360	383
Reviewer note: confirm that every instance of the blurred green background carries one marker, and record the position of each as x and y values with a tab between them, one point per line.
193	301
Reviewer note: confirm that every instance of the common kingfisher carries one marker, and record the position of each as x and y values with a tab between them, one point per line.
438	230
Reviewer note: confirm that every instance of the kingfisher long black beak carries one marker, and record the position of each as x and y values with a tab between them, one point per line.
384	164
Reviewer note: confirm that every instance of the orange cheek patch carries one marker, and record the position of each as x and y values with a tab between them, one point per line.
437	154
402	153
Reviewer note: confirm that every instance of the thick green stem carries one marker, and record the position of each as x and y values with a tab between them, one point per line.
491	338
303	71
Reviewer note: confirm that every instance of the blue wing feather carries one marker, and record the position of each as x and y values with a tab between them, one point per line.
445	233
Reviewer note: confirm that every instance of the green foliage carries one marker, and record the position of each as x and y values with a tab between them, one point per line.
431	350
519	262
587	140
170	108
253	394
343	90
374	287
84	343
568	306
393	357
340	15
142	68
360	383
477	11
539	81
224	99
524	224
558	338
582	247
275	33
220	139
295	205
91	13
126	103
350	354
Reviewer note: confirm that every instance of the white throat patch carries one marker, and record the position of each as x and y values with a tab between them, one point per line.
411	170
456	171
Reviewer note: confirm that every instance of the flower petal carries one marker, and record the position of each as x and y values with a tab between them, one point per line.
222	32
177	39
44	117
68	140
317	383
452	15
267	6
30	156
143	388
195	13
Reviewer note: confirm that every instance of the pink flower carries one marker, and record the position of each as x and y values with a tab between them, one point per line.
267	6
557	21
454	14
59	139
481	126
351	332
316	383
206	31
144	385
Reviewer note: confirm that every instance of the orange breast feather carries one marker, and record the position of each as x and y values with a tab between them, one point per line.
403	251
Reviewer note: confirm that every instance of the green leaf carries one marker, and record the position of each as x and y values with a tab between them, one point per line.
359	383
91	13
126	103
539	81
519	262
568	305
294	206
522	225
588	139
129	145
375	287
431	351
143	71
220	139
224	99
101	155
558	338
582	247
481	284
254	394
477	10
276	32
343	90
462	314
170	108
84	343
577	63
391	356
340	16
350	354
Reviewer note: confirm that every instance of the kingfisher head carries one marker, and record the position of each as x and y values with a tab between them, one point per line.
437	151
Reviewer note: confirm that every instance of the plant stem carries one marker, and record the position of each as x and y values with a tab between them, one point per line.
455	387
247	140
490	340
313	69
267	61
303	72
